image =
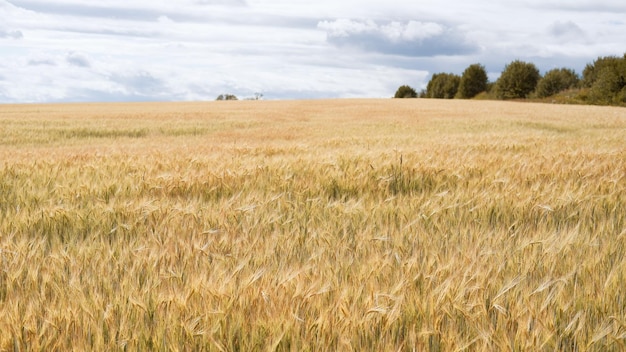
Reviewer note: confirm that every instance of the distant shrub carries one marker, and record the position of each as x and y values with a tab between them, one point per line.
517	81
473	81
555	81
443	86
405	92
226	97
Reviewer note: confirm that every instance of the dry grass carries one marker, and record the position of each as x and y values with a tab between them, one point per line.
374	225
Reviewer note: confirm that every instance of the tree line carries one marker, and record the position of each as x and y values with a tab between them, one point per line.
603	82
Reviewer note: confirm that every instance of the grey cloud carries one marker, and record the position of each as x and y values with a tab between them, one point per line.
129	87
78	59
42	62
199	90
88	10
299	94
588	6
11	34
120	32
413	38
199	15
565	30
94	95
222	2
141	84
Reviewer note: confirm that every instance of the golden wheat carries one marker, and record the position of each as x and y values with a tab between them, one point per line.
313	225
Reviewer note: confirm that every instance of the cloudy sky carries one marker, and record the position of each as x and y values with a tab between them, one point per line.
145	50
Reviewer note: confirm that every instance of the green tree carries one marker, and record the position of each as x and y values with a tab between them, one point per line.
443	86
473	81
555	81
592	71
517	81
606	80
405	92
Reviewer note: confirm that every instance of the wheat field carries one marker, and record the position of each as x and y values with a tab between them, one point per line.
348	225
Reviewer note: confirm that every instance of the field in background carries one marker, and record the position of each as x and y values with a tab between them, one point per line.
373	225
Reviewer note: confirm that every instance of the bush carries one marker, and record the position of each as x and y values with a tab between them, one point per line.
443	86
620	98
405	92
517	81
555	81
473	81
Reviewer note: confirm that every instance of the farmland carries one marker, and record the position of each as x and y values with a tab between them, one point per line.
378	225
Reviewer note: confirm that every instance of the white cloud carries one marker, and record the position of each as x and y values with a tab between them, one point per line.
414	30
394	31
346	27
164	20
